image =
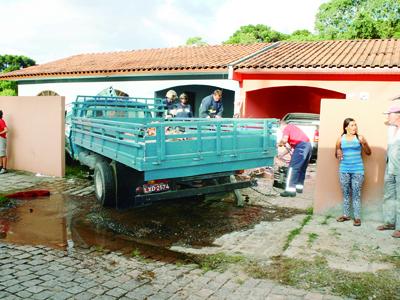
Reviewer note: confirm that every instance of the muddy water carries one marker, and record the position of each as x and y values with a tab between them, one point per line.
38	222
65	221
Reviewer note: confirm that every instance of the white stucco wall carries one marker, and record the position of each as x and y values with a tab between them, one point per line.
134	88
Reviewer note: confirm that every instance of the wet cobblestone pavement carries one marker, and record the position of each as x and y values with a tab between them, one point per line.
28	272
40	272
17	181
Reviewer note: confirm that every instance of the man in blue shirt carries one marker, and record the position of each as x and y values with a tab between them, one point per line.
183	109
211	106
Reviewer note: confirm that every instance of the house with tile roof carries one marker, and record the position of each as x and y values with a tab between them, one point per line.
197	71
295	76
258	80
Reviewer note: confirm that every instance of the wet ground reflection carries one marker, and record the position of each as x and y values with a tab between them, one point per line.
38	221
58	221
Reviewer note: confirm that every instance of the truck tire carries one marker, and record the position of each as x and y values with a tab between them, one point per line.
127	179
104	184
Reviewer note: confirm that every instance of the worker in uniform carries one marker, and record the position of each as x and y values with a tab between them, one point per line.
211	106
169	104
299	145
183	108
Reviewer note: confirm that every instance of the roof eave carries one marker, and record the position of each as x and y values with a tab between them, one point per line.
340	74
119	74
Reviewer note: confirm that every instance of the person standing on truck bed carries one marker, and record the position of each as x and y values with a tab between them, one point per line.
183	109
211	106
300	143
169	103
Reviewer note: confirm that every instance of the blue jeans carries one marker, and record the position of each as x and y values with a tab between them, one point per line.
391	200
351	184
298	165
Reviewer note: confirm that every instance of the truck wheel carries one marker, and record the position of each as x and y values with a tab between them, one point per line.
127	179
104	184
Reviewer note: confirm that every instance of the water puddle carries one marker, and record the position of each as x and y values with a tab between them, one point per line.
60	221
35	222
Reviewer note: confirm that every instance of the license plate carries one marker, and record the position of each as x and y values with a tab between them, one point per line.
155	188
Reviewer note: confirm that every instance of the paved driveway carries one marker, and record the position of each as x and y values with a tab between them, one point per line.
39	272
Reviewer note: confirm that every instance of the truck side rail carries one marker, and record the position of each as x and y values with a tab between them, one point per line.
118	107
178	147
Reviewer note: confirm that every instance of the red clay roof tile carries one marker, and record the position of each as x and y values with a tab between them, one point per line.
352	54
180	59
308	56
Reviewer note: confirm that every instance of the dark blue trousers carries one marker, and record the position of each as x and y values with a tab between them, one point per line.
298	165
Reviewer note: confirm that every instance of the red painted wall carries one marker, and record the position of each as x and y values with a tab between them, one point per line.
275	102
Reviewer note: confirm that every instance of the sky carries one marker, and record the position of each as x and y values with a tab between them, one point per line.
47	30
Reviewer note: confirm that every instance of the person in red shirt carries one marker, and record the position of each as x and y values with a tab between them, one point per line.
301	154
3	144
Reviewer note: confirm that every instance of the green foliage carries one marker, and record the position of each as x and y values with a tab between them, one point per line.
10	63
3	200
358	19
8	92
195	41
325	221
393	259
292	234
309	211
295	232
312	237
14	62
255	34
99	248
218	262
74	170
7	85
335	20
316	274
302	35
306	220
8	88
135	253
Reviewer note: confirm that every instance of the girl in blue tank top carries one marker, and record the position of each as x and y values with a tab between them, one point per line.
351	169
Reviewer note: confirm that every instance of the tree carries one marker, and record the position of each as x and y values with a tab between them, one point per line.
10	63
386	15
302	35
14	62
363	27
255	34
195	41
355	19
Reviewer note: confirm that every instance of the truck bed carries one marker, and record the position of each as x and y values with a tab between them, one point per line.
178	148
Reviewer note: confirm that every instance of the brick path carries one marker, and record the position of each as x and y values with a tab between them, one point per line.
19	181
28	272
38	272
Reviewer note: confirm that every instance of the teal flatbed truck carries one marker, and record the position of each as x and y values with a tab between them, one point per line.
140	157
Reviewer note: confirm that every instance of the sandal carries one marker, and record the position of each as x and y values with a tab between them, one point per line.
357	222
385	227
396	234
343	218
